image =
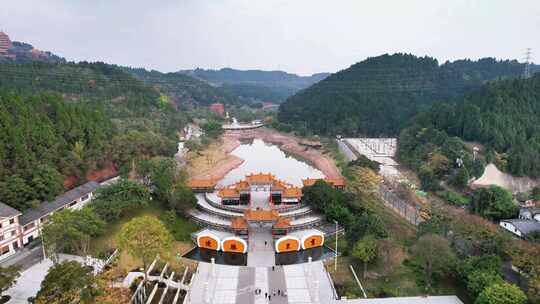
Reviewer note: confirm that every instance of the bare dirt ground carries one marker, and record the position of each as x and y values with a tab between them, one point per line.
493	176
216	161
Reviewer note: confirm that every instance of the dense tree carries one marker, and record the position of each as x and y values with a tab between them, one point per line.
494	203
36	143
144	237
462	178
436	156
503	115
16	192
380	94
46	182
365	180
115	200
159	173
212	129
366	224
181	87
479	280
437	224
432	257
67	282
324	198
8	278
70	231
535	193
273	86
488	263
365	250
182	199
501	294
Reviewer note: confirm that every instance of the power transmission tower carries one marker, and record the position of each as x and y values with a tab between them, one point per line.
528	60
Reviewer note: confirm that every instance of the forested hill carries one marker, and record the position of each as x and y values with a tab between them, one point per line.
257	85
184	89
379	95
61	123
502	115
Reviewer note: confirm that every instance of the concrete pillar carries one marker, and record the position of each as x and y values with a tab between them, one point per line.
213	261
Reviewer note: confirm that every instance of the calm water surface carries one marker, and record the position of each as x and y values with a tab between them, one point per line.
263	157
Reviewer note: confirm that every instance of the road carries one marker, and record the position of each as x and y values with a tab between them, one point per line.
26	258
349	154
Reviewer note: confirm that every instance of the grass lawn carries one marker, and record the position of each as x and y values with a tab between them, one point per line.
180	228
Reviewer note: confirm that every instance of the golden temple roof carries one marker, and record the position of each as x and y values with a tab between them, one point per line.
292	192
228	192
202	183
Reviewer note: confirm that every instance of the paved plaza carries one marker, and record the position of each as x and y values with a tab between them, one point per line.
29	283
296	284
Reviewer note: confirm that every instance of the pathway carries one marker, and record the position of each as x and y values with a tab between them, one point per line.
260	253
276	281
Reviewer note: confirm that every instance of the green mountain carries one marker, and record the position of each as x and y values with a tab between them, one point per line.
184	89
502	115
256	85
61	121
380	94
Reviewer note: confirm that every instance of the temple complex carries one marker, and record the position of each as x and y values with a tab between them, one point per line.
259	236
259	202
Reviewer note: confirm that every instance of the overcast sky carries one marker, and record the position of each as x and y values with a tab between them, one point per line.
300	36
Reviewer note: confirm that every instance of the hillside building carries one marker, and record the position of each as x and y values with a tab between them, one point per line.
520	227
218	108
19	229
5	44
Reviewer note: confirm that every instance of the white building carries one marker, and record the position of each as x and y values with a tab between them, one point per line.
18	229
520	227
9	230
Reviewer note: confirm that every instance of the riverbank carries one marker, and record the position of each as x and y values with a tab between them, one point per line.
290	144
216	161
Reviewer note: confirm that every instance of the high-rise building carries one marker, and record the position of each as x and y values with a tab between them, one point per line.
5	43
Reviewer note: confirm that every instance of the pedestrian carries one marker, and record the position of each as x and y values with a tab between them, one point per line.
270	298
272	268
278	292
265	242
266	295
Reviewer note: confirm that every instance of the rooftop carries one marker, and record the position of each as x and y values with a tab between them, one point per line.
261	215
7	211
239	223
525	226
260	178
228	192
202	183
332	181
60	201
282	223
292	192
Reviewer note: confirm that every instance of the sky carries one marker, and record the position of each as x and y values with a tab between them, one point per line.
297	36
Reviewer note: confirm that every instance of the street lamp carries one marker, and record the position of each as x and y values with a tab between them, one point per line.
336	251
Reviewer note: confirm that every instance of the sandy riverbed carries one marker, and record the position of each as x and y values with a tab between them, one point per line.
216	161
